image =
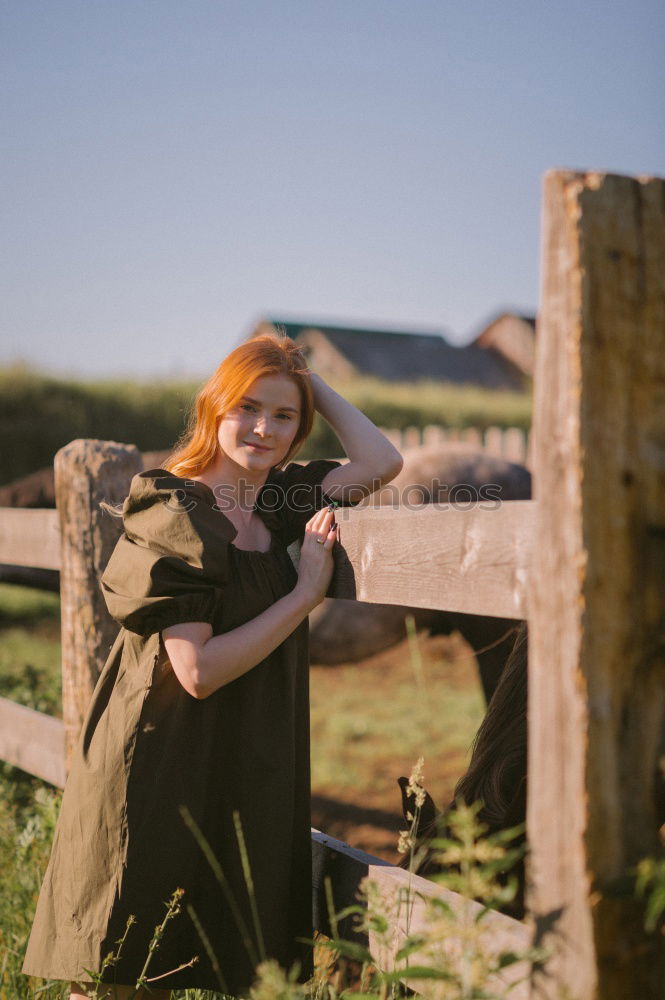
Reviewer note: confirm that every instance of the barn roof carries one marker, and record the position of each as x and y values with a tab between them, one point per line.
399	355
529	319
510	336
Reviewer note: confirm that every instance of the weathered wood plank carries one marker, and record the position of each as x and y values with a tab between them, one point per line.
29	537
347	866
471	561
33	741
478	558
596	691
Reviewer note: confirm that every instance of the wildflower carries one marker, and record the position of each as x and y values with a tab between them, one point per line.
273	983
406	841
486	851
382	909
415	785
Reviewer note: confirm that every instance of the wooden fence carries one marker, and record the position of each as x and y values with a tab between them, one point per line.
583	562
512	443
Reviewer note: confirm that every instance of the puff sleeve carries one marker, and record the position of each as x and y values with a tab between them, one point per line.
162	572
299	495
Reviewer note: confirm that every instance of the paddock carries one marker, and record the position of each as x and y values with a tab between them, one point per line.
583	563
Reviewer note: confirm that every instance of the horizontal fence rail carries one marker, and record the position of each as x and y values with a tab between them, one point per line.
33	741
471	561
407	894
30	537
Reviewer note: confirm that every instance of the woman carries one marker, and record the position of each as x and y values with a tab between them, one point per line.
200	718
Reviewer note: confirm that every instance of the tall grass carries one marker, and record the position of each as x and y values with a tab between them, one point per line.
475	861
30	647
40	414
401	404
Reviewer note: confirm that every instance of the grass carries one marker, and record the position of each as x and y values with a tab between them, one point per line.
30	648
40	413
25	606
28	810
371	721
428	401
29	671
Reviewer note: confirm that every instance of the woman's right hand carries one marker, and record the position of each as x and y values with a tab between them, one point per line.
316	561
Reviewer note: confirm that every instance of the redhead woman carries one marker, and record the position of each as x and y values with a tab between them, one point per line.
196	740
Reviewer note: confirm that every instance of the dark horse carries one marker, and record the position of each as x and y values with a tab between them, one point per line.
496	775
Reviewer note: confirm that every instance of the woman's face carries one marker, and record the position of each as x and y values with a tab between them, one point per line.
258	432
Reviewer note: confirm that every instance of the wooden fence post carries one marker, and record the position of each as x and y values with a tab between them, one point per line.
493	441
472	436
433	434
87	471
515	445
411	437
394	435
597	670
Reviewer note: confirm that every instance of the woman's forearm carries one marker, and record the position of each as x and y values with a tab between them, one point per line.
224	657
204	662
359	436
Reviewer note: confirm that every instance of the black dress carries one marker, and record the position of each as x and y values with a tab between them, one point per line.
148	748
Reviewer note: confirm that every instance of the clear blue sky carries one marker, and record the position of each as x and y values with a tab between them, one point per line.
173	170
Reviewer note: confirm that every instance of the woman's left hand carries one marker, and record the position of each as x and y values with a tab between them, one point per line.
315	566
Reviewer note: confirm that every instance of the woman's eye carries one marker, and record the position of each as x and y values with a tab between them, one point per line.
248	406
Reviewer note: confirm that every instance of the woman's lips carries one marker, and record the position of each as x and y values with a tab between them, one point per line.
258	447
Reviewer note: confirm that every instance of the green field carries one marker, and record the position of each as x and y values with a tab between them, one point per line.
40	414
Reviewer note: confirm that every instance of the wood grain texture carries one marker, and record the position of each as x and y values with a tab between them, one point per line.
33	741
596	601
29	537
472	561
86	472
347	866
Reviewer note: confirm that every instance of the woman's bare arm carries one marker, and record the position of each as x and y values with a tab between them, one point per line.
373	460
203	662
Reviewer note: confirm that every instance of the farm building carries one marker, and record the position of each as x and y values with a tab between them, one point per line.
343	352
510	336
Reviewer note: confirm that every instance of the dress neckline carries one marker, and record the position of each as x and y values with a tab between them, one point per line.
209	492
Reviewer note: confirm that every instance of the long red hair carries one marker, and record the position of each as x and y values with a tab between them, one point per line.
267	354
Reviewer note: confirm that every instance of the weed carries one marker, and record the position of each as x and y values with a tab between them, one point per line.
650	886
